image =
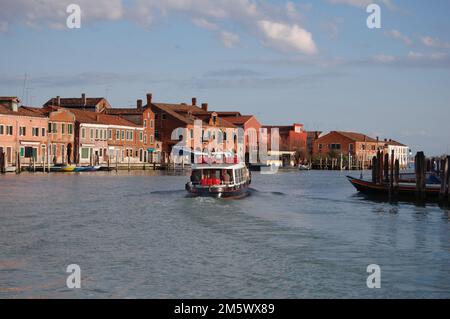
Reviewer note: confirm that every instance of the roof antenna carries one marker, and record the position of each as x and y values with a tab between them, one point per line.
24	86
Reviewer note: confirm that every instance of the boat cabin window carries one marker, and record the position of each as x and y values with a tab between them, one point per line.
211	177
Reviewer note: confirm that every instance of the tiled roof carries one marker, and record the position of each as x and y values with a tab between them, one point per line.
228	113
124	111
357	137
23	111
88	117
394	143
238	120
91	102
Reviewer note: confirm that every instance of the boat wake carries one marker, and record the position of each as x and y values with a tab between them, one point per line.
257	192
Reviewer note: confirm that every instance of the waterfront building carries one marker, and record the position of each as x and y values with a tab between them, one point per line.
251	127
401	151
292	144
23	132
106	139
360	147
143	116
61	135
170	117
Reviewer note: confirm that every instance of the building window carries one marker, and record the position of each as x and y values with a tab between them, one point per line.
104	134
351	147
54	128
70	128
2	129
117	135
85	153
122	135
63	128
83	133
109	134
192	133
145	123
96	134
320	147
131	136
35	131
163	116
335	147
92	133
141	136
152	139
43	131
101	152
152	123
145	139
22	131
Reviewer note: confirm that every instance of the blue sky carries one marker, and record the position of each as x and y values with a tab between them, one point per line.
313	62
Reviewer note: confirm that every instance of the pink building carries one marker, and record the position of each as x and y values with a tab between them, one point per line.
23	132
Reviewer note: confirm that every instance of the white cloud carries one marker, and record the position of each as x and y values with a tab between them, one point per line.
434	42
229	40
277	24
205	24
52	13
395	34
286	37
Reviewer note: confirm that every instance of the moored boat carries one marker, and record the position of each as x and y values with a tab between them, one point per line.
405	190
219	180
87	169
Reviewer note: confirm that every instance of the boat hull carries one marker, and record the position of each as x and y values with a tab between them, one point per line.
402	191
218	192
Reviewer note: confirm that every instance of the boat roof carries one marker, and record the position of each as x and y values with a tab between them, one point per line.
218	166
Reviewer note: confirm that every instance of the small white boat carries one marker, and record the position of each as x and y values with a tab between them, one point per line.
304	167
10	169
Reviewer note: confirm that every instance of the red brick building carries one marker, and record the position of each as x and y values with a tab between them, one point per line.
360	146
170	117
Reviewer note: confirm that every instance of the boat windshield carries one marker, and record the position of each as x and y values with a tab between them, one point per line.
212	177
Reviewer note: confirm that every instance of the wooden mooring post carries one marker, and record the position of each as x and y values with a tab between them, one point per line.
2	162
374	169
445	180
420	167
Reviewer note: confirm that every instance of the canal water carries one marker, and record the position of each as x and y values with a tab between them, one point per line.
136	235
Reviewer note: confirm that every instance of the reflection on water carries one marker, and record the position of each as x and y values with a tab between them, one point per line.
135	235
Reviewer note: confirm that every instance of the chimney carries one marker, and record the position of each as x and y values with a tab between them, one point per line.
205	107
58	101
139	104
83	100
385	139
194	101
149	99
15	105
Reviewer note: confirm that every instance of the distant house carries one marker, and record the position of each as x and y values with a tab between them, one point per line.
93	104
251	127
311	137
145	117
401	151
361	147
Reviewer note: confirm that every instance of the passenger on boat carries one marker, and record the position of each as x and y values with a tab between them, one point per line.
225	177
196	177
